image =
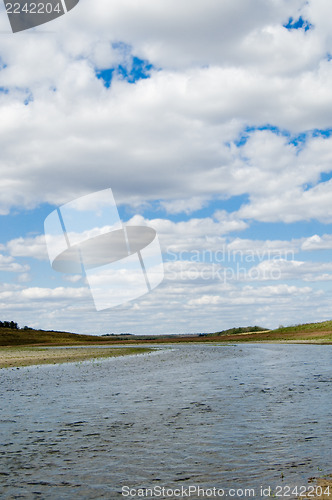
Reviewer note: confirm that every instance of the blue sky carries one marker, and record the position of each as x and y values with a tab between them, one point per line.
213	126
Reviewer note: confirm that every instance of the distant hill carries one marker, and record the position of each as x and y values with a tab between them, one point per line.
241	329
325	326
311	332
28	336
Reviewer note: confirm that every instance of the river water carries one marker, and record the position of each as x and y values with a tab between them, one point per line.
225	416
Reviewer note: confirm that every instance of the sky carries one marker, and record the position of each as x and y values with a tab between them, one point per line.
210	121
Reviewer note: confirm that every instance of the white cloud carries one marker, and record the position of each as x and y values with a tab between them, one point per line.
72	278
24	278
203	274
34	247
169	33
183	206
289	270
8	264
220	67
292	206
165	137
251	295
193	234
262	249
60	293
176	306
316	242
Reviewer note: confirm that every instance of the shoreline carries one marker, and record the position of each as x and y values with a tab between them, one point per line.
29	355
322	488
16	357
233	339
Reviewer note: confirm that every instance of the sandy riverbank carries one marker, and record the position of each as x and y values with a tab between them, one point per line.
321	489
25	356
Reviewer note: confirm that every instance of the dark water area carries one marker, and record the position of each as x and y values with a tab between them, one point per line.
224	416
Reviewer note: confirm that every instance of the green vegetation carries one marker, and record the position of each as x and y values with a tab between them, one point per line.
325	326
9	324
310	333
318	333
28	336
241	329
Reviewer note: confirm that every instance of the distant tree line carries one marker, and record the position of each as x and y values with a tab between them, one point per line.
241	329
9	324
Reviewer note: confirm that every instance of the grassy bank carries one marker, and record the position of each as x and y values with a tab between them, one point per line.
26	356
310	334
31	337
318	333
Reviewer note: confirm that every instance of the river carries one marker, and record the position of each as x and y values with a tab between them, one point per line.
214	416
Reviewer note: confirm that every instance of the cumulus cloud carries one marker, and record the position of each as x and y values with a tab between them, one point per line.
34	247
316	242
170	34
166	137
8	264
251	295
233	106
35	293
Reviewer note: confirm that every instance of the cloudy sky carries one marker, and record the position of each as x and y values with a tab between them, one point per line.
211	121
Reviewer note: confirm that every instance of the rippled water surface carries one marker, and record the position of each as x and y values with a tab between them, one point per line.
234	416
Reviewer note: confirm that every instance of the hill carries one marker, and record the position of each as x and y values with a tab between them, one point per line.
29	336
325	326
241	329
310	333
